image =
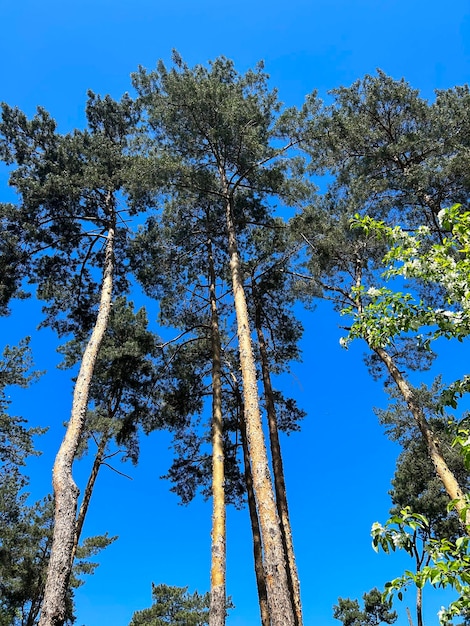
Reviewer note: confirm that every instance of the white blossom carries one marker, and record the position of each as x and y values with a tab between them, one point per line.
442	615
441	215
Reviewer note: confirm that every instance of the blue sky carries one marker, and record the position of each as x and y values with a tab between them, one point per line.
339	468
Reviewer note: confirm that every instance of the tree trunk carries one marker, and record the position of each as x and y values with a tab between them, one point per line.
66	491
218	602
257	545
445	474
278	470
419	606
99	457
280	607
409	616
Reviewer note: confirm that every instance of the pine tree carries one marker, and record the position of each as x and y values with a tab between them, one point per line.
26	528
68	187
186	243
174	605
216	127
376	611
391	158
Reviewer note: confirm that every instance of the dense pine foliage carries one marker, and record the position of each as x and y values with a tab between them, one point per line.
175	198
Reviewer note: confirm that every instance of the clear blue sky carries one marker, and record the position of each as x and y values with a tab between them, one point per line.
339	467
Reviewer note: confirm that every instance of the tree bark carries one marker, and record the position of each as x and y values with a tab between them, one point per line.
255	529
99	457
218	602
419	606
280	607
66	491
448	479
409	616
278	470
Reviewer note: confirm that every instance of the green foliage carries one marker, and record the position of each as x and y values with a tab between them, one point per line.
66	185
385	315
16	441
390	151
376	610
389	313
14	257
213	130
210	135
90	547
25	543
126	387
415	483
445	563
26	529
174	606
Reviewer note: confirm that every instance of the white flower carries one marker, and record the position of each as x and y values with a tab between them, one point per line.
442	615
449	314
441	215
373	292
343	342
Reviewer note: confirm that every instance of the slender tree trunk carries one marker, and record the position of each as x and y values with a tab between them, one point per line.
278	470
66	491
99	457
255	529
38	593
419	606
409	616
448	479
218	601
280	607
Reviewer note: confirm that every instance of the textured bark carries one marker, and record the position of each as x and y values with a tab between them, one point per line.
99	457
419	606
409	616
66	491
280	607
279	479
255	529
217	607
448	479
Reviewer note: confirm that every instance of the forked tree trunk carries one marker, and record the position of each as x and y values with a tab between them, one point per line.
255	529
278	470
280	607
218	603
451	485
99	457
66	491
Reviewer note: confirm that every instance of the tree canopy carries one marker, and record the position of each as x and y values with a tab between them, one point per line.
195	198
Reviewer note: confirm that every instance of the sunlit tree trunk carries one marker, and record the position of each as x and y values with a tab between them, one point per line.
279	601
217	608
255	529
278	470
448	479
66	491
